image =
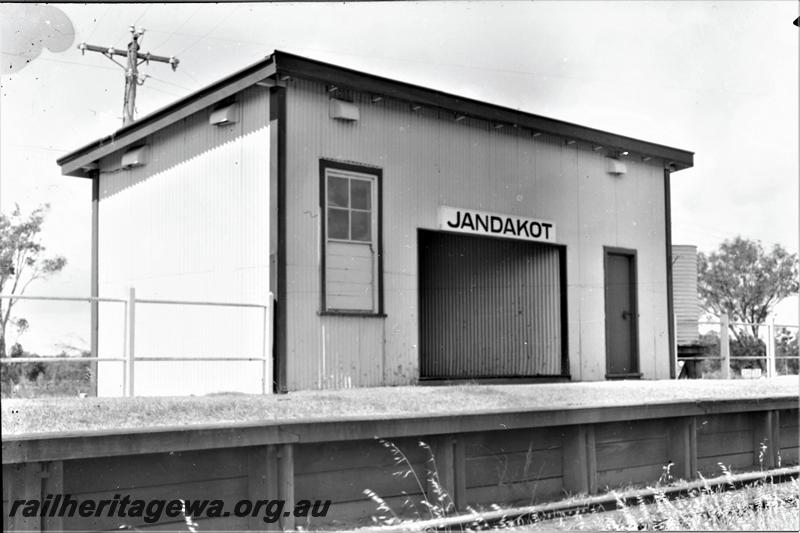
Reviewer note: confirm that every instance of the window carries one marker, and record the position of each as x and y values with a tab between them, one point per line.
351	273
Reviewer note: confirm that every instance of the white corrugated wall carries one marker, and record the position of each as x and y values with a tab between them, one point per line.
191	224
429	159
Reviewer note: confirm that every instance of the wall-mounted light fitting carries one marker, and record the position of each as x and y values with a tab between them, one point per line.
415	107
571	141
135	157
341	110
537	133
223	115
459	118
596	148
498	126
646	158
375	99
615	166
331	88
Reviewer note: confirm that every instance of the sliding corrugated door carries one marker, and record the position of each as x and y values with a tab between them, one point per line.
489	308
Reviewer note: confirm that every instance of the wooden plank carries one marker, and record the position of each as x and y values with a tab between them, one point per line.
789	417
520	440
460	479
116	473
262	479
765	449
725	422
622	454
333	456
349	484
24	483
286	483
512	467
789	456
724	443
441	468
574	462
345	516
522	493
630	430
75	445
591	458
789	436
679	447
52	484
693	446
737	462
7	480
638	475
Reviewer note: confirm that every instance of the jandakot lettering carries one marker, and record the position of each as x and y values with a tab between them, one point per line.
477	222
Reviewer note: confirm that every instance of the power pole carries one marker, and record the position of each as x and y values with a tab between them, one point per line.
134	59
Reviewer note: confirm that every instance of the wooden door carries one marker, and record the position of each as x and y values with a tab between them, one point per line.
622	354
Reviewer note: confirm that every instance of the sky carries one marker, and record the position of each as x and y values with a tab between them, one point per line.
716	78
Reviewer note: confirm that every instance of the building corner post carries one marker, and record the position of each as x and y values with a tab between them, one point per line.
278	244
94	290
670	304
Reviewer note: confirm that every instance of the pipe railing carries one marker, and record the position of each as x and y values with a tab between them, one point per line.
130	358
724	324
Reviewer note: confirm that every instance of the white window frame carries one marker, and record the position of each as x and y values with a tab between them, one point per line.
332	169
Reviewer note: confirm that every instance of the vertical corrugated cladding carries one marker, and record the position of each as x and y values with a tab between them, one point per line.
430	159
191	224
684	289
489	307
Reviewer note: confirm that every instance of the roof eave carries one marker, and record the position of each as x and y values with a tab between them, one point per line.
301	67
80	162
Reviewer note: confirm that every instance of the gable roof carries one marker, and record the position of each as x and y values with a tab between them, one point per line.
279	64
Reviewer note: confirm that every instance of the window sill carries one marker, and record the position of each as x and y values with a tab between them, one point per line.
359	314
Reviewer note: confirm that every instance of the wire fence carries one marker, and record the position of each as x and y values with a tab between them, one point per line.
130	330
732	350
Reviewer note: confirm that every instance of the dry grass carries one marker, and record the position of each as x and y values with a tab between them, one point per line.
22	416
762	507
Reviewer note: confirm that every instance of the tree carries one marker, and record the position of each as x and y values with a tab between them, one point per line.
21	262
744	281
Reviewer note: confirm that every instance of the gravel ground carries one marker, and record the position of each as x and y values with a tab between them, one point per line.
24	416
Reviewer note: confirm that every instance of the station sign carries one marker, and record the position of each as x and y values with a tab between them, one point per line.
495	224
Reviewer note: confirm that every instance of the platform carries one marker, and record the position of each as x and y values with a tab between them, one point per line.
505	445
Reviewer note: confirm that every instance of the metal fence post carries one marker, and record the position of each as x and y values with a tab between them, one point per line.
771	348
724	346
266	349
675	345
130	352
